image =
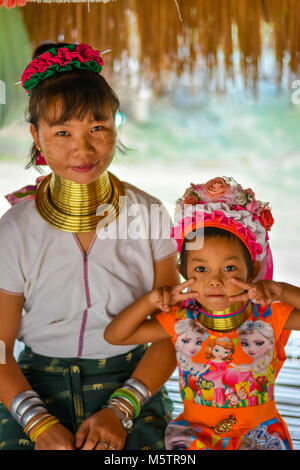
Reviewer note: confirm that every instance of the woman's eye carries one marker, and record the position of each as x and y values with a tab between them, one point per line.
62	133
200	269
97	128
229	268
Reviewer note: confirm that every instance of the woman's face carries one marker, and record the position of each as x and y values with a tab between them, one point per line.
212	267
255	345
78	151
190	342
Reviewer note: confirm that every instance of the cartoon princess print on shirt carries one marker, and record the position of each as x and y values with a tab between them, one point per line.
218	352
190	336
257	341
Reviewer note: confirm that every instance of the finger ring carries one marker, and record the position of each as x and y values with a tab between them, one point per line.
111	447
104	444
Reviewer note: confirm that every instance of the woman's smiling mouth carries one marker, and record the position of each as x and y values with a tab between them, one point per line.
84	168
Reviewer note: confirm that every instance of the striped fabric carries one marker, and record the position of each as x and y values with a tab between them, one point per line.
74	389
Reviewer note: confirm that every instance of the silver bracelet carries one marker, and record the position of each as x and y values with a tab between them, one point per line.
126	422
26	405
140	387
137	394
127	401
20	398
27	417
115	401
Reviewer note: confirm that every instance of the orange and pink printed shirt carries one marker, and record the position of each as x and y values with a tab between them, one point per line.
231	372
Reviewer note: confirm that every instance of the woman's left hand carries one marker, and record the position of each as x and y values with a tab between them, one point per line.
101	431
262	292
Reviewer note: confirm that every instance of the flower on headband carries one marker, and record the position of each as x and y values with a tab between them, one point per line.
60	59
191	199
250	194
217	187
229	191
266	218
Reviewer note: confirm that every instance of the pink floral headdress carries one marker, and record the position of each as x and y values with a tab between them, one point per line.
60	59
223	203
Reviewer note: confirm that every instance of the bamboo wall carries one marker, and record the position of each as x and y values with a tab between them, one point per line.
197	39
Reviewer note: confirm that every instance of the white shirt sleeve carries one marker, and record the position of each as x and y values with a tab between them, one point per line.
162	244
11	272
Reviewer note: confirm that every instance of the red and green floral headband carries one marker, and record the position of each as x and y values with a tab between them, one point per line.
60	59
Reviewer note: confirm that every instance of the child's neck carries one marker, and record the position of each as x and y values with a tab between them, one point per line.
224	320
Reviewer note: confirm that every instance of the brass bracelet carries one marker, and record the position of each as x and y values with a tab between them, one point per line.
48	423
38	420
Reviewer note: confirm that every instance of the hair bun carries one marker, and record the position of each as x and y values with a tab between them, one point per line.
46	46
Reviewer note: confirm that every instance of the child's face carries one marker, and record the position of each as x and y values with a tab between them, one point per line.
76	144
212	267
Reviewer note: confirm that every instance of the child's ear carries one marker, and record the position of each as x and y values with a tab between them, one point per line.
256	269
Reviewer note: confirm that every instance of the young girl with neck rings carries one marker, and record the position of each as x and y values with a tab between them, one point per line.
246	318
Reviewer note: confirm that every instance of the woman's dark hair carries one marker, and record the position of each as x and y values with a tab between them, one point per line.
210	232
79	92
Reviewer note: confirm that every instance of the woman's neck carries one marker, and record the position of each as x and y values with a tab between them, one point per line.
72	207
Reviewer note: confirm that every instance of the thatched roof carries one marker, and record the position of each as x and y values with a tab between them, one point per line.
205	41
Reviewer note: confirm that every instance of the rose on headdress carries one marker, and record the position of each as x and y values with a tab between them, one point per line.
216	187
266	218
191	199
250	194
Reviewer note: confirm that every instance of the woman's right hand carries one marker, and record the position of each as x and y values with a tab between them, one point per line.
55	438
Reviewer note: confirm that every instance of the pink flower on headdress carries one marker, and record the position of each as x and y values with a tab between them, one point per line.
253	207
266	218
216	187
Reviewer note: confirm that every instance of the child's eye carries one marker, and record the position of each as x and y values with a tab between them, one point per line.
62	133
200	269
229	268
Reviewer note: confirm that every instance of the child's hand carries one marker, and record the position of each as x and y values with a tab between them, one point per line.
262	292
166	297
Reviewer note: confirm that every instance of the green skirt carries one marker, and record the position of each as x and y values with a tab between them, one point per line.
73	389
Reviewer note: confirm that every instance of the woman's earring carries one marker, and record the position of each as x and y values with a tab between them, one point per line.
40	160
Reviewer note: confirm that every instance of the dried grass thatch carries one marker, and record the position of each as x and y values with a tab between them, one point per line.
170	39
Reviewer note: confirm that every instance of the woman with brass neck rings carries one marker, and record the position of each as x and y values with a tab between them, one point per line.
62	279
